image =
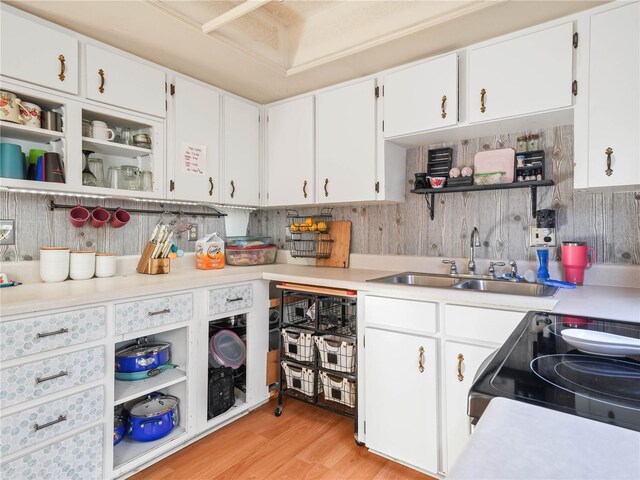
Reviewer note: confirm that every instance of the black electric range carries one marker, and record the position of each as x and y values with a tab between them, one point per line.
537	366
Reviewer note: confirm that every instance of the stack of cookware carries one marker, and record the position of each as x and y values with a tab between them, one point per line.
143	359
146	420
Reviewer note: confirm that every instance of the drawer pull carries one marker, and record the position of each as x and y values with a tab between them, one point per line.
233	189
49	334
63	67
460	360
61	418
420	355
62	373
160	312
442	109
483	92
101	87
237	299
608	153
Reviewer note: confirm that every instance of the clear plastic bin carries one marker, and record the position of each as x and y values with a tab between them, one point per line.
245	256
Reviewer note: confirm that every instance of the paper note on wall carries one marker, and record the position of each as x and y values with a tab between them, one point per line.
194	158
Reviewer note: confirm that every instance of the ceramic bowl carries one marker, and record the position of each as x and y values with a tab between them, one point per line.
437	182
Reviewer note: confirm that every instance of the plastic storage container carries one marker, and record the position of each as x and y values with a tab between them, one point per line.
248	241
337	353
338	389
298	344
250	255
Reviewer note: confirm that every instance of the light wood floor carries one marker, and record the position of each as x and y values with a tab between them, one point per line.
303	443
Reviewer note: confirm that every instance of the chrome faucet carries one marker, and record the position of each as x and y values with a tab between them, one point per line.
475	242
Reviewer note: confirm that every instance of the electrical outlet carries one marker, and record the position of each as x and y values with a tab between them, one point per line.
193	232
542	237
7	232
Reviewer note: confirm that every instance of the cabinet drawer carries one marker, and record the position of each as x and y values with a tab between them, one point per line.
223	300
480	323
403	314
37	379
52	418
48	332
155	312
78	457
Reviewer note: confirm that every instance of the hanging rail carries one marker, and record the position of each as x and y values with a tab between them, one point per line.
55	206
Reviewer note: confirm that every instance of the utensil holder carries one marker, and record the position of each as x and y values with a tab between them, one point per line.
152	266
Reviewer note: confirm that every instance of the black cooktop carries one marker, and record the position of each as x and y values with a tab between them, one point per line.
537	366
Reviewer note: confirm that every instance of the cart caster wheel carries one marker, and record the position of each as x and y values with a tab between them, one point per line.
278	411
359	443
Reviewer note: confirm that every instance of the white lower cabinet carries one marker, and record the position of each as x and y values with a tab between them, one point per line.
461	363
401	397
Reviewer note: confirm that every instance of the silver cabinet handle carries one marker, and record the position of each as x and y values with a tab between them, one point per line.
49	334
237	299
159	312
61	418
63	373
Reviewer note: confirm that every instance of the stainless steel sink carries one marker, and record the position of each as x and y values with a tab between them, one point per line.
419	279
511	288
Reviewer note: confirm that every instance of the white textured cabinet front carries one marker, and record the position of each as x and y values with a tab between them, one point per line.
543	82
154	312
223	300
401	402
38	54
76	458
125	83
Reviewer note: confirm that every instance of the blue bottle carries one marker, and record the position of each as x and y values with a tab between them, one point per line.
543	267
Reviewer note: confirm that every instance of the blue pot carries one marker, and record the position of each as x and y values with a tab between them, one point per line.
153	418
119	429
142	357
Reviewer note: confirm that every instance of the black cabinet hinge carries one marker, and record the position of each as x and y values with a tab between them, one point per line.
574	88
173	89
377	92
383	125
575	40
172	185
377	187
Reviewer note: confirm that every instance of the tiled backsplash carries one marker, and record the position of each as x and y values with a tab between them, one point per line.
608	221
37	226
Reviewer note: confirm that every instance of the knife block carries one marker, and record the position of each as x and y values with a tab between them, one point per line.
152	266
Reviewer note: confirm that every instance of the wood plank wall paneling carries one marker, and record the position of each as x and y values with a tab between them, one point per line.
608	221
37	226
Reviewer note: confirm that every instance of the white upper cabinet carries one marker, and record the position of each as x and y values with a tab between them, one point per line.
422	97
346	136
119	81
614	99
38	54
241	152
196	143
527	74
291	153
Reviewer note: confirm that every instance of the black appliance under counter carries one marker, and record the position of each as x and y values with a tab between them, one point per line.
536	365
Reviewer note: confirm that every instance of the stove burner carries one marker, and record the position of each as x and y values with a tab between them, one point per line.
606	380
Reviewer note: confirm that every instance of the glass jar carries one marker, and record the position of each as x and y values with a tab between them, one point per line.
521	144
533	143
130	177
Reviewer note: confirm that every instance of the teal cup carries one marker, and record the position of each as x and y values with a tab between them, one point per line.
12	163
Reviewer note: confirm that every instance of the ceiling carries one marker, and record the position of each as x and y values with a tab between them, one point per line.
269	50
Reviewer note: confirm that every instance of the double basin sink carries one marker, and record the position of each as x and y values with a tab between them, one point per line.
479	284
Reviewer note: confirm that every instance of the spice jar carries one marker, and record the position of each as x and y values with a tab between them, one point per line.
521	144
534	142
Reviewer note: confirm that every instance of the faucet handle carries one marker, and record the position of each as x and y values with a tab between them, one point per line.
492	270
453	270
514	269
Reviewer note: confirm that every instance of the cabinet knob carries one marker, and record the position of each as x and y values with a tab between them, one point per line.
63	67
326	182
420	355
608	152
304	189
233	189
101	87
483	92
460	360
442	109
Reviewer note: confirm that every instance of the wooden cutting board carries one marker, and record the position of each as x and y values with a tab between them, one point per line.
340	233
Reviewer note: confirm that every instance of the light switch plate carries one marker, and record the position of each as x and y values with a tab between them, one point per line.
542	237
7	232
193	232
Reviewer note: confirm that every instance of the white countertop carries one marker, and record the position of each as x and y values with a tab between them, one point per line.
607	302
515	440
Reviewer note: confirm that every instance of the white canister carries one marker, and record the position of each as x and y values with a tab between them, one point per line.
82	264
105	265
54	264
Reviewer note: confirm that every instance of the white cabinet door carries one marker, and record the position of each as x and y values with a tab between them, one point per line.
196	132
461	362
291	153
523	75
347	143
38	54
119	81
422	97
401	401
241	147
614	97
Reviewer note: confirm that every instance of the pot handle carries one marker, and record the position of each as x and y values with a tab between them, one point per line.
151	421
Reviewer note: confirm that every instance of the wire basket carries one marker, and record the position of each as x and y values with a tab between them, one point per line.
335	315
308	236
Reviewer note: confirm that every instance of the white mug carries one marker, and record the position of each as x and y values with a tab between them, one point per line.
54	264
82	264
105	265
102	133
31	116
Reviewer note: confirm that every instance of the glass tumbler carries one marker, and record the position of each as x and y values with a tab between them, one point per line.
115	177
146	181
97	168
